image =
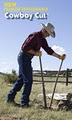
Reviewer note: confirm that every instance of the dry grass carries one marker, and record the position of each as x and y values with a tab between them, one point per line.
35	112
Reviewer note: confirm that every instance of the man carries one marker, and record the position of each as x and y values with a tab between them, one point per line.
30	48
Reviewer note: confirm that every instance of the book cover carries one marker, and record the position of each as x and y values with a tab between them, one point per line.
20	18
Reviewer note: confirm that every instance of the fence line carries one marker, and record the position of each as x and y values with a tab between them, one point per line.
67	75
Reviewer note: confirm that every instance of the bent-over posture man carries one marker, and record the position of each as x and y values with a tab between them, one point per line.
30	48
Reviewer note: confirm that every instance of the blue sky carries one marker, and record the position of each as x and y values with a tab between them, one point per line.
13	32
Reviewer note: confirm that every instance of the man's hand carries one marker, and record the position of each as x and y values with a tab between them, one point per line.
62	57
38	53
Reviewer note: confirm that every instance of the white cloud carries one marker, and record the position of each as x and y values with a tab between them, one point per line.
58	49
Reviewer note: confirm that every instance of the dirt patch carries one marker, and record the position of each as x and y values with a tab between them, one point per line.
57	105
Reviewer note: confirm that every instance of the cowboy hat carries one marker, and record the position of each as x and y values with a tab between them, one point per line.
49	28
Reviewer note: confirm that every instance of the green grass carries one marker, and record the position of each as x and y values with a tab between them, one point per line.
35	112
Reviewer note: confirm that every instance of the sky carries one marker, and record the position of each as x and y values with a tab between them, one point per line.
13	33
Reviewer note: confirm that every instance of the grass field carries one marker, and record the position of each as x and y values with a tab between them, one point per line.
35	112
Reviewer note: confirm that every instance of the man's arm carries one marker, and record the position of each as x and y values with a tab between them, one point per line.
36	53
32	52
50	51
56	55
63	56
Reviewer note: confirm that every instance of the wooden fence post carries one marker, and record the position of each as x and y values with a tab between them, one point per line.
67	77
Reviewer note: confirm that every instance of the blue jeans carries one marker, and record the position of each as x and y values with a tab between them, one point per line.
24	79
